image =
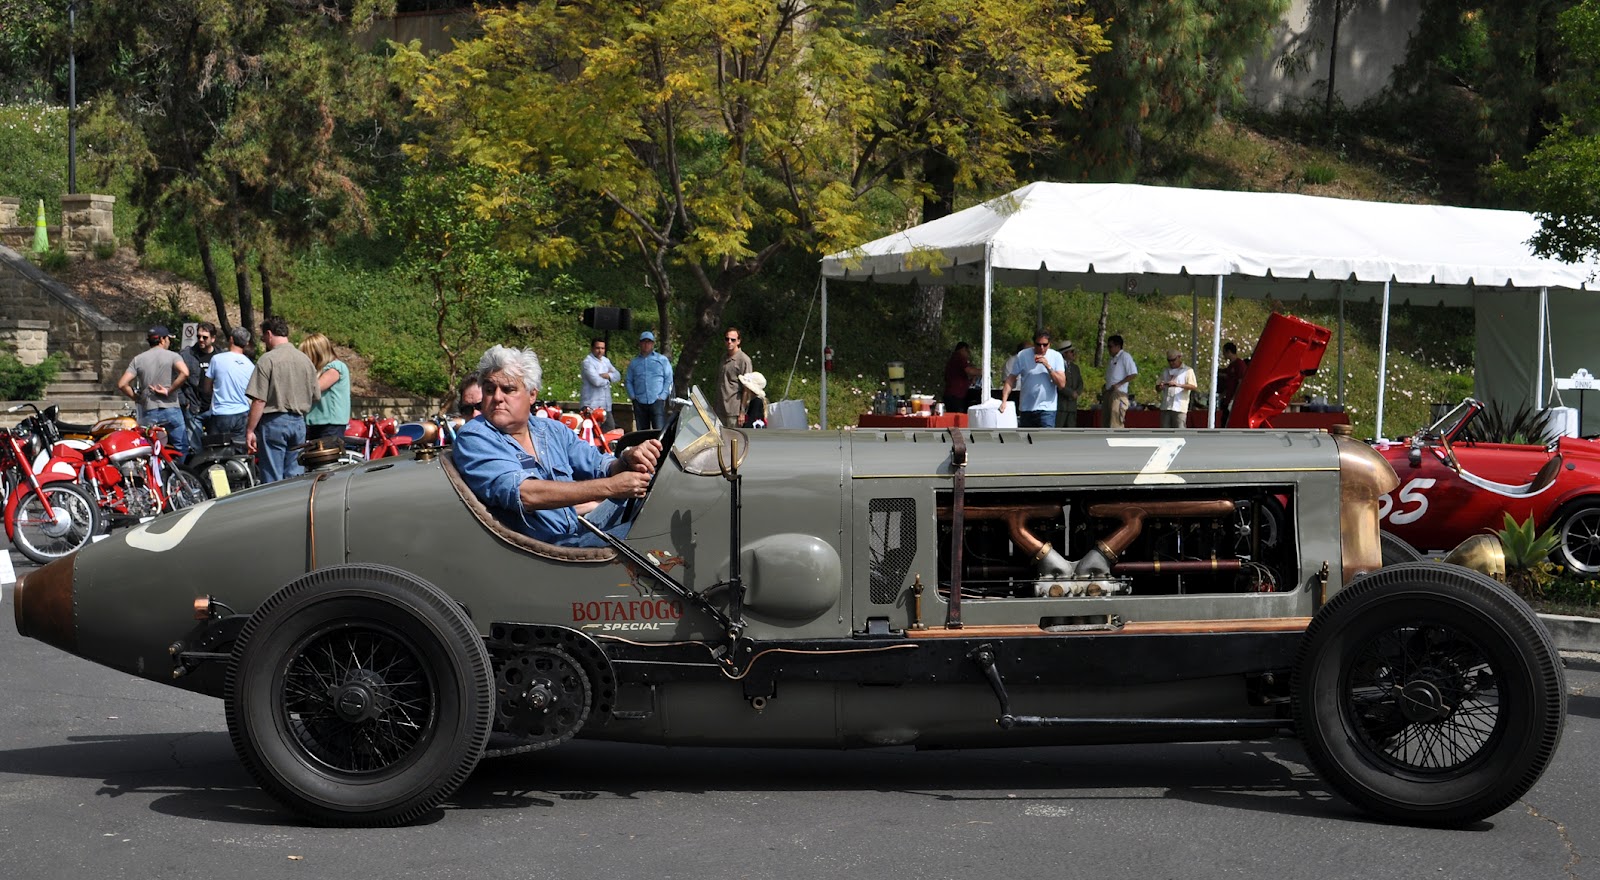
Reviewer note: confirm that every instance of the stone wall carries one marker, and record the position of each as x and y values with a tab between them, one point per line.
86	222
27	341
88	339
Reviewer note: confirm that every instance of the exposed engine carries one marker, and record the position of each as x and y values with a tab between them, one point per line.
1093	544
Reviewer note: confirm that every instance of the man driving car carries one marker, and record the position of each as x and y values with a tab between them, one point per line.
535	474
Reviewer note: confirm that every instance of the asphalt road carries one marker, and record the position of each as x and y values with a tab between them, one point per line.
104	775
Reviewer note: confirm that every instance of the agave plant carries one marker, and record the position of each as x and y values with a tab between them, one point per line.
1527	550
1495	425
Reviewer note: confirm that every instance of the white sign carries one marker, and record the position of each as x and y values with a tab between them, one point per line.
190	332
1580	381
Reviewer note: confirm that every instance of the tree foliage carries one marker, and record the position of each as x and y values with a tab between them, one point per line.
1560	179
1171	67
718	134
455	224
237	116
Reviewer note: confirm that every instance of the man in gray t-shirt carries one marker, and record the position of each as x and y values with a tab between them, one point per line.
160	374
282	390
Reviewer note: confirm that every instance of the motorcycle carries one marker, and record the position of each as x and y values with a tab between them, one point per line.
222	465
132	474
374	437
47	515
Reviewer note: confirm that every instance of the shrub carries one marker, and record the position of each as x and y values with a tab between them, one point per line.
1319	174
105	250
54	260
18	382
1528	567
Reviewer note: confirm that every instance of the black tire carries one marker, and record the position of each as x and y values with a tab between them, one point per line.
1579	549
1396	551
1429	695
43	539
183	489
334	754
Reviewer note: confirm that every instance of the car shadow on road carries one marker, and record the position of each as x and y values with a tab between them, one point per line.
1584	705
1264	777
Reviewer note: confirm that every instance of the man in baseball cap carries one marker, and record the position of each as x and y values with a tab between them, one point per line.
160	374
649	384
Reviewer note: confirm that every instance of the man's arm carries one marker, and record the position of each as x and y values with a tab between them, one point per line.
257	407
1005	392
125	385
589	368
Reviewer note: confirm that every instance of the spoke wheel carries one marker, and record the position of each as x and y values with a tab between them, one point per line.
1580	540
72	521
1428	694
1257	529
183	490
359	695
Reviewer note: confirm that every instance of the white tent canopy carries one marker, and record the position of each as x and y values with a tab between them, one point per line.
1124	237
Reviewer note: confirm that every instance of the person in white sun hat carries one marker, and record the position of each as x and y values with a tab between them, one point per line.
753	400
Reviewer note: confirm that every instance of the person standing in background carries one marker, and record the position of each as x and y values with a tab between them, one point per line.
226	378
160	372
1038	374
331	414
1228	380
959	371
469	397
649	384
753	414
282	390
730	392
597	373
1114	397
196	402
1174	386
1067	400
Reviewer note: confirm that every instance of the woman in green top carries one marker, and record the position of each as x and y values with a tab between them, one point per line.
332	412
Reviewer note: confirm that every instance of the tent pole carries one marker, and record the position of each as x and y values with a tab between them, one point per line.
1216	355
1383	356
988	317
1194	324
1038	286
1538	374
822	355
1341	342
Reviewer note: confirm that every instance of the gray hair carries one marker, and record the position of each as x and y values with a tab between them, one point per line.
516	362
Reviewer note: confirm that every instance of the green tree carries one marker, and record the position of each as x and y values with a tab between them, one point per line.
1171	67
456	224
234	115
1560	180
721	133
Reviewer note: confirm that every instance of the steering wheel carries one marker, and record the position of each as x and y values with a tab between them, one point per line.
667	434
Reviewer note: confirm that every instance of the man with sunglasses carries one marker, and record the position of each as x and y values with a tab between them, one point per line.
1038	374
469	397
730	399
197	357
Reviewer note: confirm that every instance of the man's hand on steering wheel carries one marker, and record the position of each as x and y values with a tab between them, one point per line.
642	458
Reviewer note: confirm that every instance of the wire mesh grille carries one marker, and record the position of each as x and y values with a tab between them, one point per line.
893	545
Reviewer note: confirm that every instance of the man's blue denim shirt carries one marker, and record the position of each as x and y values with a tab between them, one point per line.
494	466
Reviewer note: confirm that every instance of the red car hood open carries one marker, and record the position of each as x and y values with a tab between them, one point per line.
1289	350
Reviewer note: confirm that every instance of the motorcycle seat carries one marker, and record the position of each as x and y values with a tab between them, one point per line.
212	441
70	428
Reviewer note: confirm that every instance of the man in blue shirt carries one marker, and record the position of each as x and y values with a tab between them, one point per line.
535	474
1040	373
649	385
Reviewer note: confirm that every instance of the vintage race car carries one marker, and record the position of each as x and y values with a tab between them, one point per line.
1453	487
847	589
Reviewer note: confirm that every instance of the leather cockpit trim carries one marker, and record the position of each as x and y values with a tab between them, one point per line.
510	536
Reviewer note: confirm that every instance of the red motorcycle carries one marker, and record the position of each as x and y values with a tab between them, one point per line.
132	473
374	437
47	515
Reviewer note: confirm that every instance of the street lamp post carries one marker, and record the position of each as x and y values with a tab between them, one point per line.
72	97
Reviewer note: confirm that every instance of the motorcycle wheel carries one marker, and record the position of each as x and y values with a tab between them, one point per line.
43	538
183	490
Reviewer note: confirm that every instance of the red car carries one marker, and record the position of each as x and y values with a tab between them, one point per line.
1453	486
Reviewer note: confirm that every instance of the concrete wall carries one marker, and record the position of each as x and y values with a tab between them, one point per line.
436	31
1372	40
88	339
